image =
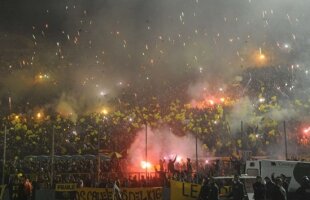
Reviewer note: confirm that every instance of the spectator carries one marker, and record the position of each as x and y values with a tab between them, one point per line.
80	183
285	183
134	182
204	191
213	190
161	171
189	167
27	189
171	165
303	192
279	192
237	192
237	164
143	181
259	189
161	165
270	188
217	167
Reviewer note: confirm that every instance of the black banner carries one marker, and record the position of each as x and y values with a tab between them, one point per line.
65	191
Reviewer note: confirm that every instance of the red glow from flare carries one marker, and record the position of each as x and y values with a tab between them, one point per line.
306	130
179	159
304	137
145	165
209	102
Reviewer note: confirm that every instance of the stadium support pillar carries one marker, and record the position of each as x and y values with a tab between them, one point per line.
146	150
241	128
99	158
285	140
197	156
53	156
4	156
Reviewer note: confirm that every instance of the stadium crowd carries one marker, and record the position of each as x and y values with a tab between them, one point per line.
269	188
43	132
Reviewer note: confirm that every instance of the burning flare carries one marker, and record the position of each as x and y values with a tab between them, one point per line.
145	165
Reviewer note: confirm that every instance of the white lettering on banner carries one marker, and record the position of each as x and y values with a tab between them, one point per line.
126	194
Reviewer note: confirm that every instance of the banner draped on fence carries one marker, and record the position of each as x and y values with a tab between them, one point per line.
184	191
66	187
65	191
154	193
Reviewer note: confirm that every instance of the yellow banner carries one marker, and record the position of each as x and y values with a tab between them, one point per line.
66	187
190	191
155	193
2	190
184	191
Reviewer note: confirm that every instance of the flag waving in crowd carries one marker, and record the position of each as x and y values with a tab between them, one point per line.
116	191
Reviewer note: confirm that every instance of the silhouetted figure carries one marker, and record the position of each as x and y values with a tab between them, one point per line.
303	192
279	192
285	183
161	165
204	191
213	190
270	188
237	188
171	165
189	167
237	164
259	189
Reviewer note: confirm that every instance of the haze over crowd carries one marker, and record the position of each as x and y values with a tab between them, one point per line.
74	57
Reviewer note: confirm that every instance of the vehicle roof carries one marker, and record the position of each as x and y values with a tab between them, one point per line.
231	177
288	161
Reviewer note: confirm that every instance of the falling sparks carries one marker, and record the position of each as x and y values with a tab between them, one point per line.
91	51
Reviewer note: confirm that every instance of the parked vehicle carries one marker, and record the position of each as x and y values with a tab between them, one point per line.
294	171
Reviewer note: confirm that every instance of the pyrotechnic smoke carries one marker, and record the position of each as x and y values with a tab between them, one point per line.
162	143
283	114
17	85
198	90
243	110
65	107
92	50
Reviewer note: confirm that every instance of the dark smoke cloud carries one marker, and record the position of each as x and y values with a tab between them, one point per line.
194	44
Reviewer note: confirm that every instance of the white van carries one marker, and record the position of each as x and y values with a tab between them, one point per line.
293	170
